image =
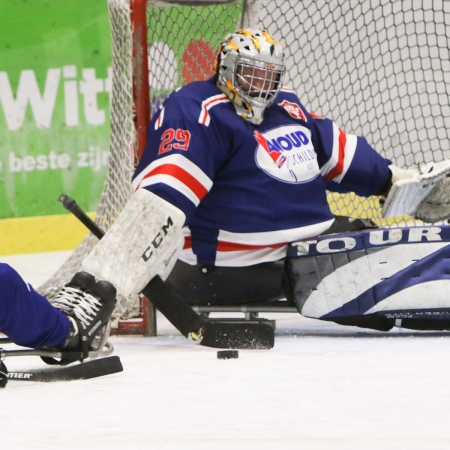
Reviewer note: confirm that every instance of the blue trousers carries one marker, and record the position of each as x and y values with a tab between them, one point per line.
26	317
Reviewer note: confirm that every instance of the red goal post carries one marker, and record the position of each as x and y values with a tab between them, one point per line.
141	88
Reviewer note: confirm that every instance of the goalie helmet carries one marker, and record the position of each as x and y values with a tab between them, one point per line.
250	68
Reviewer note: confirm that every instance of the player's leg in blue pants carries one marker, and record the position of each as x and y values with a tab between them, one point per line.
26	317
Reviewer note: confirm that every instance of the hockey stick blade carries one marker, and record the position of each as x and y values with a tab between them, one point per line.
216	334
181	315
83	371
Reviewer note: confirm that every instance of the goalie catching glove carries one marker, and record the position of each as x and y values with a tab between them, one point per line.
143	242
422	193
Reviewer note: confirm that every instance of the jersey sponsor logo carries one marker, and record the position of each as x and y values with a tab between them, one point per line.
174	139
287	154
293	110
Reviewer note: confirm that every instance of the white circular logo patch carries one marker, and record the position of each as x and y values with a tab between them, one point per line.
287	154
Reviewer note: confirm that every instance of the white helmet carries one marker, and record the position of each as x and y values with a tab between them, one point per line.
250	68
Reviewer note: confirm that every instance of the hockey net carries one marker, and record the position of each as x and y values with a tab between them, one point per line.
379	69
129	313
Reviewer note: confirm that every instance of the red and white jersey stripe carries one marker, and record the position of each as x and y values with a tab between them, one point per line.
160	119
179	173
209	103
243	249
344	146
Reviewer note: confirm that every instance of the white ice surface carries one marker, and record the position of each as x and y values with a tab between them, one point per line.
321	387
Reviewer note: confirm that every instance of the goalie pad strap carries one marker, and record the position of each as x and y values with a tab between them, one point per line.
402	271
143	242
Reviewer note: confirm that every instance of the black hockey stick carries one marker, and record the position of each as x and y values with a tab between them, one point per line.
83	371
71	205
223	334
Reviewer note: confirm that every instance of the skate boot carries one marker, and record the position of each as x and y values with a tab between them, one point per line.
89	311
72	293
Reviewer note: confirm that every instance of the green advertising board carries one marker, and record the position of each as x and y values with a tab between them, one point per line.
55	80
55	84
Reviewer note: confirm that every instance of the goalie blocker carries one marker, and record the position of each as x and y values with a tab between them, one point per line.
375	279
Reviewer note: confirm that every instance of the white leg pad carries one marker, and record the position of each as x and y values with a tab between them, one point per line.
143	242
373	271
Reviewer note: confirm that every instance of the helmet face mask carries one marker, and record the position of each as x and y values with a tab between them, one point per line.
257	80
250	67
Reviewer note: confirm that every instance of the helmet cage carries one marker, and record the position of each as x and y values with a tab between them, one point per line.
257	82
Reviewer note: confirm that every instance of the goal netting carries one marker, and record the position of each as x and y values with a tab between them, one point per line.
380	69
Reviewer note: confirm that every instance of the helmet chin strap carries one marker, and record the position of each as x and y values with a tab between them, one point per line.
251	113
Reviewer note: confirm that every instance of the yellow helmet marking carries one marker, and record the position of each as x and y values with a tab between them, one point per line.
230	86
246	33
233	45
268	37
256	43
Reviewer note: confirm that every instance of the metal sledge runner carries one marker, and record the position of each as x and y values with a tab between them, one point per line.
99	363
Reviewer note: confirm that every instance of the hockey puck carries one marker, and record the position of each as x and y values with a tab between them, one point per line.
227	354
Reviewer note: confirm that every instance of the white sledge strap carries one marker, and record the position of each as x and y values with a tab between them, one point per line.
143	242
418	192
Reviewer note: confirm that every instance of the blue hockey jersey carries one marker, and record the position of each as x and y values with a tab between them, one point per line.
248	190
